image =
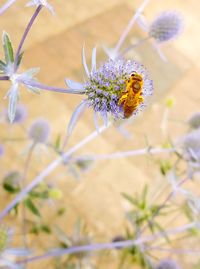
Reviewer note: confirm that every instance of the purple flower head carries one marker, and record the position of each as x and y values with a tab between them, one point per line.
191	146
167	264
108	84
166	26
20	114
1	150
39	131
194	121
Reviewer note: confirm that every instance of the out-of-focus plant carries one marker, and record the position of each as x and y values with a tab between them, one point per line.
116	90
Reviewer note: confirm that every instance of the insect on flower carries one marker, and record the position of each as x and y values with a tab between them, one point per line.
132	95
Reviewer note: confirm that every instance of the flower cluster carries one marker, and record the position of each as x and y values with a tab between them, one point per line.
114	86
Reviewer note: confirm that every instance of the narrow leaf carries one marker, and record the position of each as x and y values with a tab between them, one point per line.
75	116
19	59
84	62
30	205
33	89
30	73
96	123
94	52
13	98
8	50
74	85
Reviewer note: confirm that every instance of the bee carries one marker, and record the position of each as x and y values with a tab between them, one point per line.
131	96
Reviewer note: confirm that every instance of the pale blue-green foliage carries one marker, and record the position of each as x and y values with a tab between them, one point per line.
7	68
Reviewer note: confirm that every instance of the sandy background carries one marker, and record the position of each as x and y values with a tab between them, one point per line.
55	44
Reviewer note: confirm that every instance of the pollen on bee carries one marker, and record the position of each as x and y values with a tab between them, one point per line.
131	96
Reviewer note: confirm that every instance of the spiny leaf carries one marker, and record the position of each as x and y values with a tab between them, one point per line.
8	50
19	59
130	199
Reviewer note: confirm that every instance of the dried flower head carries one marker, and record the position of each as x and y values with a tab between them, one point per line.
119	87
166	26
194	121
39	131
20	114
167	264
1	150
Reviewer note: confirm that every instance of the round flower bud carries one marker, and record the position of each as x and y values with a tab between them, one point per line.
194	121
119	88
55	193
11	181
39	131
167	264
166	26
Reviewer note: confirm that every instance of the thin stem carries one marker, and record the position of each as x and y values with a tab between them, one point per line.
28	28
23	184
4	78
141	41
110	245
118	155
49	169
130	25
175	250
171	194
6	6
50	88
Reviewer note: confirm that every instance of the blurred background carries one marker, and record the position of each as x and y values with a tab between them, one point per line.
55	44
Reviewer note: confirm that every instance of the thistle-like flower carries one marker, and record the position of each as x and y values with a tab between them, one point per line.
191	147
44	3
118	88
1	150
39	131
194	121
8	256
165	27
168	264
